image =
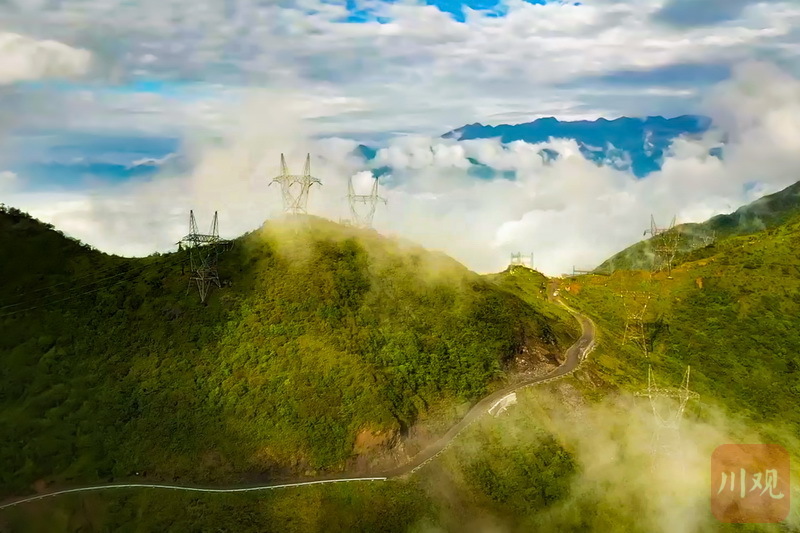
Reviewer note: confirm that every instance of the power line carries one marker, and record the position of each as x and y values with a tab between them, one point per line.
53	302
130	270
66	291
127	268
94	273
105	269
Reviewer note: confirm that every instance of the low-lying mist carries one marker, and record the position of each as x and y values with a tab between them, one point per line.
509	473
568	212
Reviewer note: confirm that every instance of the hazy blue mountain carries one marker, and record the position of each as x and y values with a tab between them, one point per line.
625	143
636	144
55	158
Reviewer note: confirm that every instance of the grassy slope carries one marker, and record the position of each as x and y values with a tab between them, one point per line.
130	374
740	332
767	212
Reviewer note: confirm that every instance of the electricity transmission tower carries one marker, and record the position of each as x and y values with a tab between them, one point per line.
708	238
517	260
579	272
635	306
702	238
295	187
665	244
666	413
204	251
358	218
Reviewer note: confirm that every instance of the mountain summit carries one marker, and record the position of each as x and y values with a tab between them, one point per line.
635	144
626	143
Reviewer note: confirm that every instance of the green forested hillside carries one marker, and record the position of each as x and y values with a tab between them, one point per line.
111	368
767	212
731	311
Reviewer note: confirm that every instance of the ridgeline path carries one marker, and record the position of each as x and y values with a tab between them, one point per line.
573	358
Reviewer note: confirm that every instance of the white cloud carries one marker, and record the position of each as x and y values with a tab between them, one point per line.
8	181
423	71
568	213
23	58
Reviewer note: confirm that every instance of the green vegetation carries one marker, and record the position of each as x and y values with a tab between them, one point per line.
111	369
531	287
491	474
274	377
392	507
507	472
765	213
731	311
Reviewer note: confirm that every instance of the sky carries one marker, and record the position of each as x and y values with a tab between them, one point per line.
116	117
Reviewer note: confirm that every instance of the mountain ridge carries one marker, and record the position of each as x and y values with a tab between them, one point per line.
630	144
685	123
626	143
764	213
325	335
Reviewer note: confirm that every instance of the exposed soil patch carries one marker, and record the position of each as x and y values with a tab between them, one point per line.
369	440
533	361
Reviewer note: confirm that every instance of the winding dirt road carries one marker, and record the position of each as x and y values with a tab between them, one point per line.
574	356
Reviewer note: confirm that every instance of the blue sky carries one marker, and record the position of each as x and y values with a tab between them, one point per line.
358	13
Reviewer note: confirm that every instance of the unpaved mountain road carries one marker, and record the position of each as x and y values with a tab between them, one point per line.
573	357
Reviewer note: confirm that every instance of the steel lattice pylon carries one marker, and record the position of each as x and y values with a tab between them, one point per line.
203	251
665	245
667	415
701	238
518	259
363	219
294	188
708	238
635	306
579	272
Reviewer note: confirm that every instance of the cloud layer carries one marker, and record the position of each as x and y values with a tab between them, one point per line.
24	59
569	212
417	70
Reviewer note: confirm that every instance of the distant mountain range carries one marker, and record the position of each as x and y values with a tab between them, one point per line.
636	144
